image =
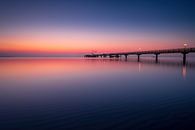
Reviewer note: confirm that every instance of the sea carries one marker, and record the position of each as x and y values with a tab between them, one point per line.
97	93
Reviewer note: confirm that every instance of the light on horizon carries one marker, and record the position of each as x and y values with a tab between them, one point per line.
185	45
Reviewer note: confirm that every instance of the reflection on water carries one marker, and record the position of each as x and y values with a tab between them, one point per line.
184	71
59	93
139	65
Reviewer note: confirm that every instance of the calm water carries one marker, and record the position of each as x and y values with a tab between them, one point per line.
49	93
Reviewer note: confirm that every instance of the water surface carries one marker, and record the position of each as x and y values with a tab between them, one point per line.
60	93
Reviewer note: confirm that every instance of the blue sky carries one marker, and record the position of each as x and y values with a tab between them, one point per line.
174	17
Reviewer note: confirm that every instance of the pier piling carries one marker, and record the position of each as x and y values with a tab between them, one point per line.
184	58
156	58
138	57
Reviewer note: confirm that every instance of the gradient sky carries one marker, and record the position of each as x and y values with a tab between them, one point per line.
74	27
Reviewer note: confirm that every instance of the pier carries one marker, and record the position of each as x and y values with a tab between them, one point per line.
156	53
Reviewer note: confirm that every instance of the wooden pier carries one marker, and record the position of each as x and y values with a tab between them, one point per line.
183	51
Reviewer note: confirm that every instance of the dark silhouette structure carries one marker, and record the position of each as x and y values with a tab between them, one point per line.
183	51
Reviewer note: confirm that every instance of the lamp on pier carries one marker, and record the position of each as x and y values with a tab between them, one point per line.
185	45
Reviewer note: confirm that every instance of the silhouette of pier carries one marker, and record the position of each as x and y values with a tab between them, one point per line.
183	51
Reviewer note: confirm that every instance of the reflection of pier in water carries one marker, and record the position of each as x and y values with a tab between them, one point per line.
165	63
184	71
170	64
183	51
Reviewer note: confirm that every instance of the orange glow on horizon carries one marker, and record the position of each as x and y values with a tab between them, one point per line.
81	43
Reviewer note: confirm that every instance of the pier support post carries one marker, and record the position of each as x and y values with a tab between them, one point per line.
184	58
138	57
156	59
126	57
117	56
104	56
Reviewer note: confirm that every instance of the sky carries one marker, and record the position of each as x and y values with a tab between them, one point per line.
77	27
